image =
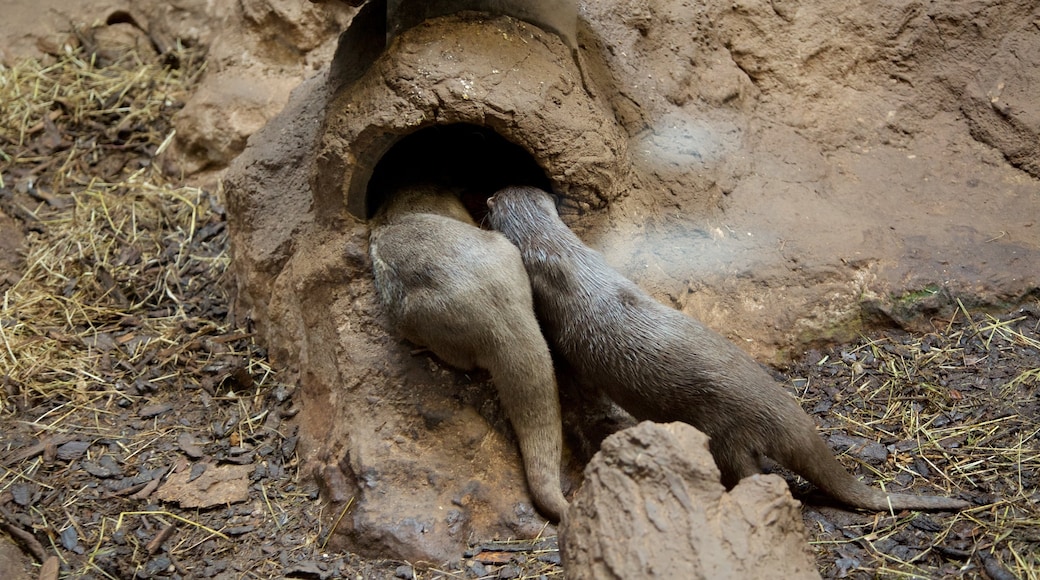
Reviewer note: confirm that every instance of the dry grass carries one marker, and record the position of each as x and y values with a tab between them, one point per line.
115	334
116	269
958	411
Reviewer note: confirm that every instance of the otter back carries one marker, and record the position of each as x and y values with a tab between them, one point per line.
463	293
662	365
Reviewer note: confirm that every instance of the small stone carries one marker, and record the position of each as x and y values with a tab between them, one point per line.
72	450
405	571
23	493
282	393
150	411
157	565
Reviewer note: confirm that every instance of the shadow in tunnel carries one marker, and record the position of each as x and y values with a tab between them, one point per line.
473	160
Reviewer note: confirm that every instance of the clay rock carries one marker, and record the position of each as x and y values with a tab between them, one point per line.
122	40
263	50
213	126
711	171
13	562
467	69
1000	102
417	458
652	507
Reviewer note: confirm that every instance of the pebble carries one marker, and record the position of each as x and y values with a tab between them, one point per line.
72	450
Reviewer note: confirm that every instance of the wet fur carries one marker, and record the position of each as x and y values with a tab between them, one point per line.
661	365
463	293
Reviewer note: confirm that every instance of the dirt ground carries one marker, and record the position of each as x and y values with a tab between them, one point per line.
144	435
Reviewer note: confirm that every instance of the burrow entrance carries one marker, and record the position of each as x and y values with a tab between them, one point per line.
472	160
470	99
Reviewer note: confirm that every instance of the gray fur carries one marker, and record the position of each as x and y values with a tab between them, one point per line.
463	293
661	365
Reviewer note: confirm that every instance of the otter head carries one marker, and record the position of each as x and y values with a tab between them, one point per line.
520	212
527	217
423	198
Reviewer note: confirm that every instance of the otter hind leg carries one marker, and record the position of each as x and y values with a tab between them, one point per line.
735	463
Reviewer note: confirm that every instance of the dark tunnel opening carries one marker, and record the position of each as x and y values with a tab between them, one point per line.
474	160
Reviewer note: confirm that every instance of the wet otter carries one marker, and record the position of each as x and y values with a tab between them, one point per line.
463	293
661	365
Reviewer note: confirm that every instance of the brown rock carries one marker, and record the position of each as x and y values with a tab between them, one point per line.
1001	101
14	563
422	456
652	507
121	41
217	485
749	166
472	65
213	126
264	50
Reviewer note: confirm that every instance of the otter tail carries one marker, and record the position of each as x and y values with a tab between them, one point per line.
816	463
526	385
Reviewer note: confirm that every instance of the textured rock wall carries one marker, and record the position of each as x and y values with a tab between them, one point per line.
795	170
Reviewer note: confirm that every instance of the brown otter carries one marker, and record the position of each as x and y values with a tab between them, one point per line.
463	293
661	365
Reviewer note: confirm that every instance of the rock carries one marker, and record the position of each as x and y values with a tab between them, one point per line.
213	126
13	562
119	41
471	63
419	458
1000	101
217	485
652	506
265	50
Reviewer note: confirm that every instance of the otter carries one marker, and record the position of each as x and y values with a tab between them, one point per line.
661	365
462	292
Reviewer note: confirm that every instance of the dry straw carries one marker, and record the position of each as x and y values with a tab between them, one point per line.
961	404
116	312
114	268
